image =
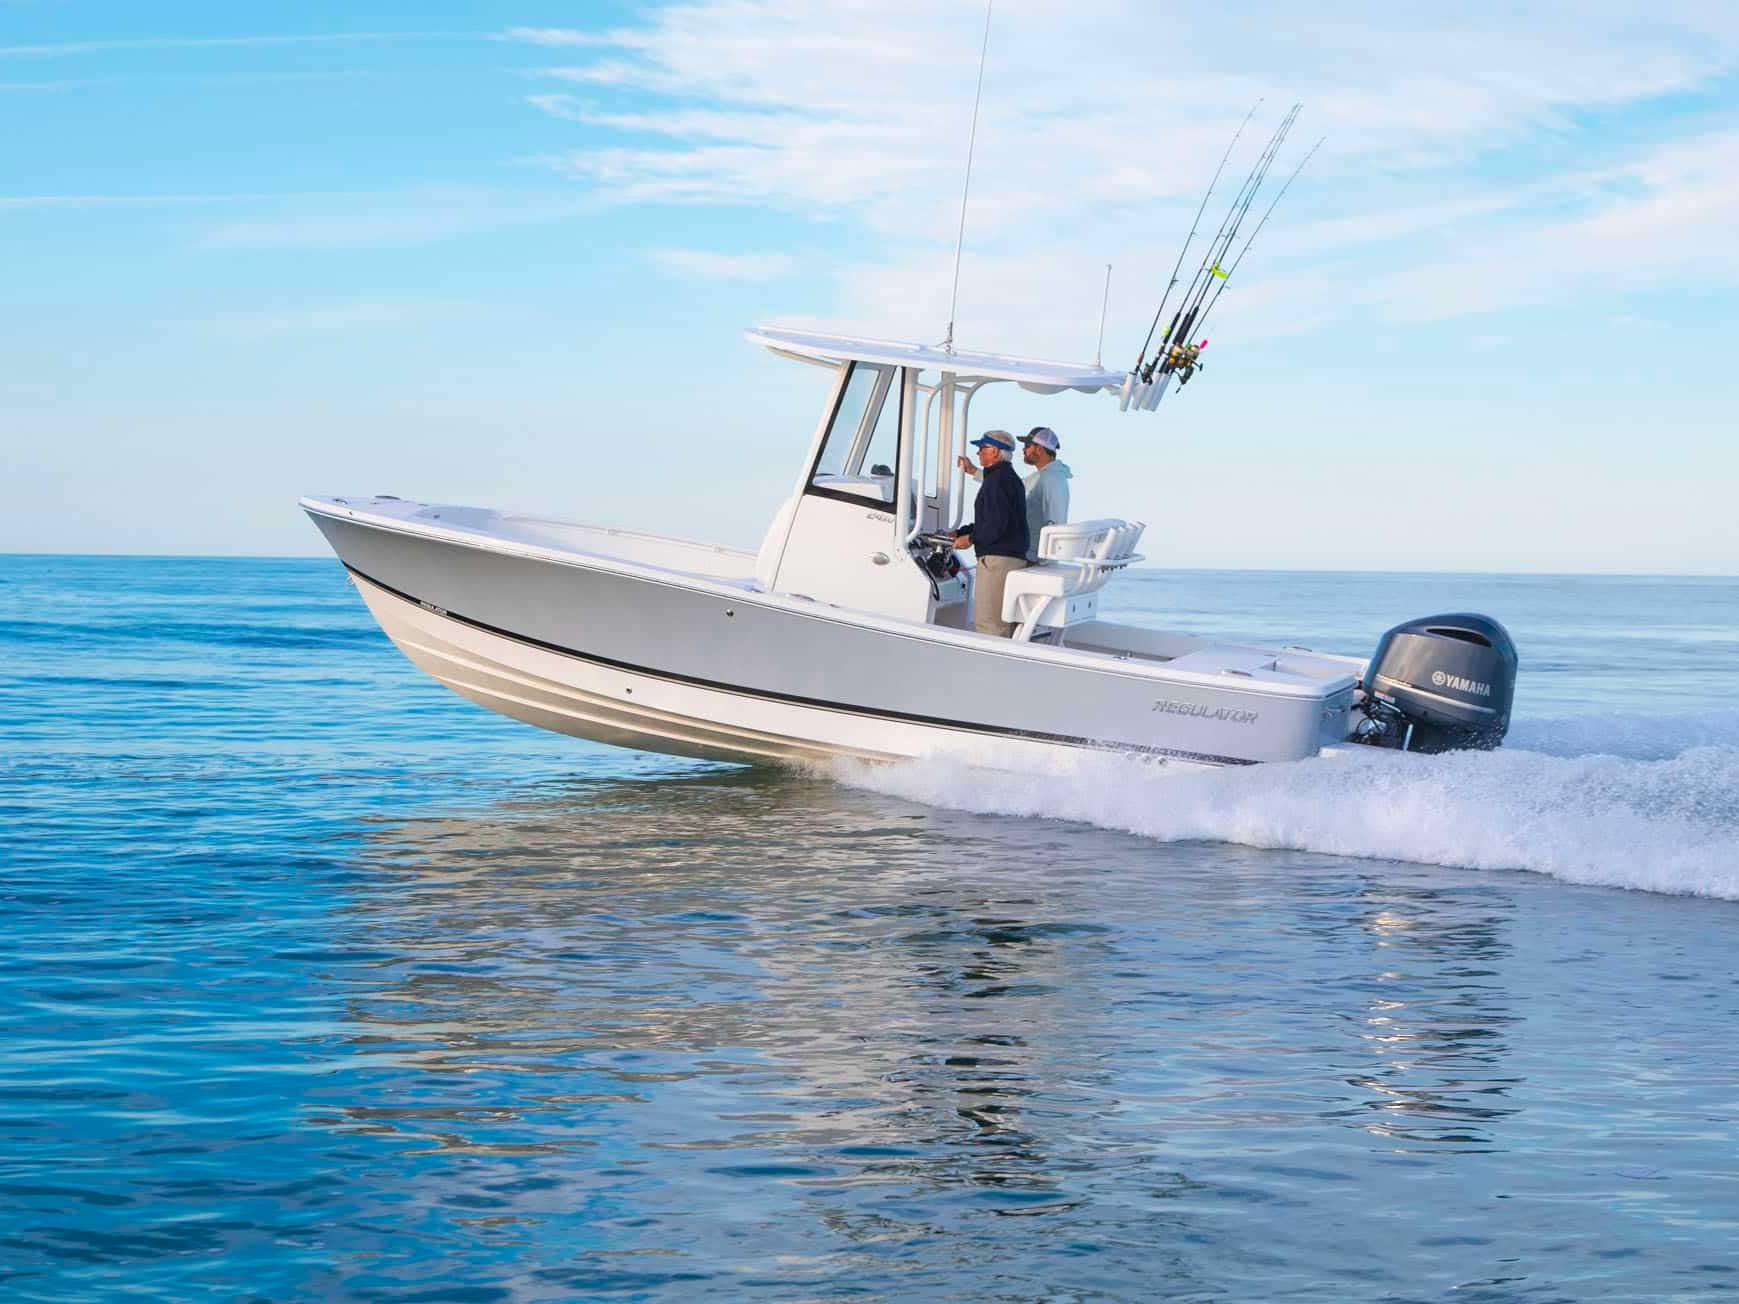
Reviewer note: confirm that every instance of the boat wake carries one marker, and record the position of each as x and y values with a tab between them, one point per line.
1643	802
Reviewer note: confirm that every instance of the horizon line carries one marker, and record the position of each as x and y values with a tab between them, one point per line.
1134	570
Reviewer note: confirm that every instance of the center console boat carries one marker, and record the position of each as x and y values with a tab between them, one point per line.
849	632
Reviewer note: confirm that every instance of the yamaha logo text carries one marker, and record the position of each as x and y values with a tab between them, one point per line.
1460	685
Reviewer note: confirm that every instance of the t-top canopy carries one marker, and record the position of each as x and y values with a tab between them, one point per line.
1030	373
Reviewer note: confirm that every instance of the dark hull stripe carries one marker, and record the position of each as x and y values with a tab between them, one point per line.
737	690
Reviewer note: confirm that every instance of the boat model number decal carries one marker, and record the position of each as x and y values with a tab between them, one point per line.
1230	714
1443	679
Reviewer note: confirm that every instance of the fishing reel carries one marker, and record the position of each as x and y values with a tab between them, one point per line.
1147	385
1184	361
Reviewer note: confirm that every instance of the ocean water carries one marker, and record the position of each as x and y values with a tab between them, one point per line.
317	982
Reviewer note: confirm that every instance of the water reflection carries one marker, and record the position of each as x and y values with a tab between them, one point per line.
858	1019
770	923
778	1003
1439	1048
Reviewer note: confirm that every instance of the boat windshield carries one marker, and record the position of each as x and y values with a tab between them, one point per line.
858	457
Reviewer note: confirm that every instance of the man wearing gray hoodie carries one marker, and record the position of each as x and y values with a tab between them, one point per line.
1047	488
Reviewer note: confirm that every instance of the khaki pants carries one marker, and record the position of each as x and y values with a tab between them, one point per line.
987	586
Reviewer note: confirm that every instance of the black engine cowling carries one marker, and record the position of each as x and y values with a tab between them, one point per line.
1440	684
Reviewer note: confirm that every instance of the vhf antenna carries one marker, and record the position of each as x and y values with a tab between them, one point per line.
966	190
1104	306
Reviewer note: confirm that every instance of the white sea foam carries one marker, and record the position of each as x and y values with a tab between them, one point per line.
1650	803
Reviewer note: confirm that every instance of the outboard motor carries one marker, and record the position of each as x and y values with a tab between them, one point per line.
1440	684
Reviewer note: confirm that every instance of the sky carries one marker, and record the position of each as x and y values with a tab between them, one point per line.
503	254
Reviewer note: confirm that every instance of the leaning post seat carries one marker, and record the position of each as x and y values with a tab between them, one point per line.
1074	562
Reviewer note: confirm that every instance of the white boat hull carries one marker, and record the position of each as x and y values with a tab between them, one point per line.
645	712
638	654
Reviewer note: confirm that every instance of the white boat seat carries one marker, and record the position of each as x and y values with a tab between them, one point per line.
1074	562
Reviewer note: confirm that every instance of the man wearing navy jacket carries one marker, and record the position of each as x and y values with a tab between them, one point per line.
998	532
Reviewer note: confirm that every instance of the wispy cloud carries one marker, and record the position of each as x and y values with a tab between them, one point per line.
828	110
68	48
26	203
67	85
843	88
361	315
337	219
555	36
704	265
419	216
1676	223
203	79
285	77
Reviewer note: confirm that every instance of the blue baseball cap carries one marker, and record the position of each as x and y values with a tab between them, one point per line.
995	439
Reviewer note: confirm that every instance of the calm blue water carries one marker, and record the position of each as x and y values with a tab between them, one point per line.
317	982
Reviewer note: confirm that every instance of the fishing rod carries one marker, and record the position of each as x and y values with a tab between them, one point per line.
1183	324
1221	288
1180	323
1147	373
1194	226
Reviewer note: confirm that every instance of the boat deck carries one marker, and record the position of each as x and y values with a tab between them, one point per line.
1292	669
713	562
